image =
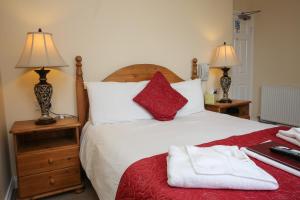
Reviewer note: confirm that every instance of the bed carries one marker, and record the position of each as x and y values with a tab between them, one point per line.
113	155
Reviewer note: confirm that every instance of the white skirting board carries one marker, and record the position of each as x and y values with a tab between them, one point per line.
10	189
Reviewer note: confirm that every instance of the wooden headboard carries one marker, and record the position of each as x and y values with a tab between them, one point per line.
132	73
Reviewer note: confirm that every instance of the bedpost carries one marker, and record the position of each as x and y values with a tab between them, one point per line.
81	95
194	69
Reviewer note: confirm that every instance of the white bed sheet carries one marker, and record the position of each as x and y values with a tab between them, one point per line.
107	150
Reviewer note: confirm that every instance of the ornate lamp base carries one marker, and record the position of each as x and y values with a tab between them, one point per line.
43	93
45	120
225	84
225	101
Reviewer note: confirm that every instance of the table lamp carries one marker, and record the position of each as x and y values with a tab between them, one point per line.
225	57
40	52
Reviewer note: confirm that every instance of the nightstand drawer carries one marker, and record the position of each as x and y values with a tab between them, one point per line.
49	181
33	163
238	108
244	110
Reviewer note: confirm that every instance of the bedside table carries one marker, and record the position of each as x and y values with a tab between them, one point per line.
47	158
238	108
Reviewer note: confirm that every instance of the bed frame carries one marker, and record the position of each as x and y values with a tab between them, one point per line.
132	73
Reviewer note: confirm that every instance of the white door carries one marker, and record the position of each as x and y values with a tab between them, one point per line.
241	87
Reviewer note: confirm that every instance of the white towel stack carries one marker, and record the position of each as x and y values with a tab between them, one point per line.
224	167
292	135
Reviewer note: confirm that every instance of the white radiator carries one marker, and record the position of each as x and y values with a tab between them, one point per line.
280	104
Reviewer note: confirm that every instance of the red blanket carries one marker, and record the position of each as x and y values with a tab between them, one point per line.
147	178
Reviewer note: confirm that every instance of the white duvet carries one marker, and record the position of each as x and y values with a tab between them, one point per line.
107	150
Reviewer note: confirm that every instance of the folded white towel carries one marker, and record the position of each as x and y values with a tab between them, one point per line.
292	133
288	139
271	162
224	167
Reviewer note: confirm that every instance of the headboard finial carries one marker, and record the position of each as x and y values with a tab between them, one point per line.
195	60
194	69
78	60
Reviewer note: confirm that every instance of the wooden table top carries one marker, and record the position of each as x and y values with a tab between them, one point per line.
228	105
21	127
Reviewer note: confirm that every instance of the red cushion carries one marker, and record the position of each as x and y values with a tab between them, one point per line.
160	99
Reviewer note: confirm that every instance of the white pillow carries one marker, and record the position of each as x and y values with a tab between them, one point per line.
192	91
112	102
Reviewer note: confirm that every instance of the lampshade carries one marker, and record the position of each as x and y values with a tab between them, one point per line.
40	51
225	56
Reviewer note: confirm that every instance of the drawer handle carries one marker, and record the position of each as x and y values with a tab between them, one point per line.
50	161
51	181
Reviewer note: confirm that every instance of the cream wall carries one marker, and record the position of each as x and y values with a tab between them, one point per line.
243	5
276	44
5	175
108	34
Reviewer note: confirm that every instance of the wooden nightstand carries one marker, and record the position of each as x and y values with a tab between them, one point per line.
47	158
238	108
